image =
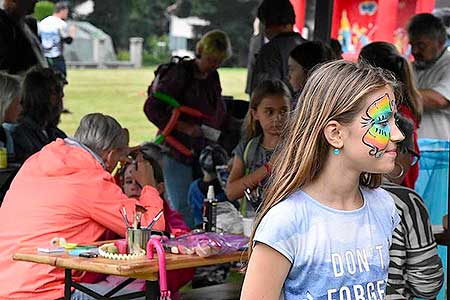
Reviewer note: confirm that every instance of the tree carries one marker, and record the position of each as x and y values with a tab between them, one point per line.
43	9
112	17
235	17
124	19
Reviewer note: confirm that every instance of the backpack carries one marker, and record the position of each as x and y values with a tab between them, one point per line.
152	103
162	70
249	155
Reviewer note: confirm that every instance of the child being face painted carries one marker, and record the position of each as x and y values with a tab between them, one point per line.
131	187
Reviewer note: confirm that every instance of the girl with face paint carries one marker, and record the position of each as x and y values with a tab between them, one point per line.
324	228
385	55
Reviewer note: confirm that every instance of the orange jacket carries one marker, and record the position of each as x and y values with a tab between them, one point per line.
61	191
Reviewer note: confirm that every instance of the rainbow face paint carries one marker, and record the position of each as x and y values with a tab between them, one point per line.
379	132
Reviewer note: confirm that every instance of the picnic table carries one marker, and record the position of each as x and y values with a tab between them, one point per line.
141	268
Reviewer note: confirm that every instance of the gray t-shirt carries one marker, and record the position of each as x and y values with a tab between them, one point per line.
436	122
257	155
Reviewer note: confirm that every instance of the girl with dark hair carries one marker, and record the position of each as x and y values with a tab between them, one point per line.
302	60
386	56
269	104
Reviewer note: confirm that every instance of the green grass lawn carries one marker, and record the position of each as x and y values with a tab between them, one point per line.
121	94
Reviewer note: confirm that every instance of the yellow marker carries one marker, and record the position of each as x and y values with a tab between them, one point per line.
70	246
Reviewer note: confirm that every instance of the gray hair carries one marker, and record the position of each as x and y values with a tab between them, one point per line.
101	133
9	90
62	5
427	25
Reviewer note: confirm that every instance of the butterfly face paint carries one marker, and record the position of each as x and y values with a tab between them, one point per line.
377	118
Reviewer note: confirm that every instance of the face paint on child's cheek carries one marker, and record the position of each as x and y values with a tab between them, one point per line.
379	132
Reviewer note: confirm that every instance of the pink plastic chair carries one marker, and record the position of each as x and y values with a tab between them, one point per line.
156	243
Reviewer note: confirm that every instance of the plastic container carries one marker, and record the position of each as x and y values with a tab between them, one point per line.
247	224
210	211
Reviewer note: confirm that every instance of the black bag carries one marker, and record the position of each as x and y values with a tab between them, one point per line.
162	69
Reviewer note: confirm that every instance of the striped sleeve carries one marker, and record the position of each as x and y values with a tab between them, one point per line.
415	269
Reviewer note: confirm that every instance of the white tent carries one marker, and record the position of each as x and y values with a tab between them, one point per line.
89	43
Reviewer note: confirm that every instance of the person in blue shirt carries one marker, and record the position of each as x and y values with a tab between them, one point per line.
210	157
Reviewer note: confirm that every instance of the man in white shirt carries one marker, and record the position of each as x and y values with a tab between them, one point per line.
54	32
427	36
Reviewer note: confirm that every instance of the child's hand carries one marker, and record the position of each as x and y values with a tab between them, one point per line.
193	130
143	173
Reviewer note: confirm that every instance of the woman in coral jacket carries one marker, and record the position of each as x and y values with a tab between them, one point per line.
66	190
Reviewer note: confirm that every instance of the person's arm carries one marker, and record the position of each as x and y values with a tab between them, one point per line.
437	94
423	267
66	33
433	99
237	182
424	272
23	143
266	273
192	130
109	199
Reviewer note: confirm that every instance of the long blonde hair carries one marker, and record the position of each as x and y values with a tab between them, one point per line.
333	92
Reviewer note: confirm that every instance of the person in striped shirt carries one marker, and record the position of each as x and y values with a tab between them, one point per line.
415	269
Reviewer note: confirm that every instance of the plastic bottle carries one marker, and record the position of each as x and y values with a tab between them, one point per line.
210	210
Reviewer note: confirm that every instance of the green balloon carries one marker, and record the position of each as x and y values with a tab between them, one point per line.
167	99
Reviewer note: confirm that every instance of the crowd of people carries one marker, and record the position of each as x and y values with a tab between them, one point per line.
326	163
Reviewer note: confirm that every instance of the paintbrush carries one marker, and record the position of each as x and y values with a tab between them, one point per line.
123	212
155	219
